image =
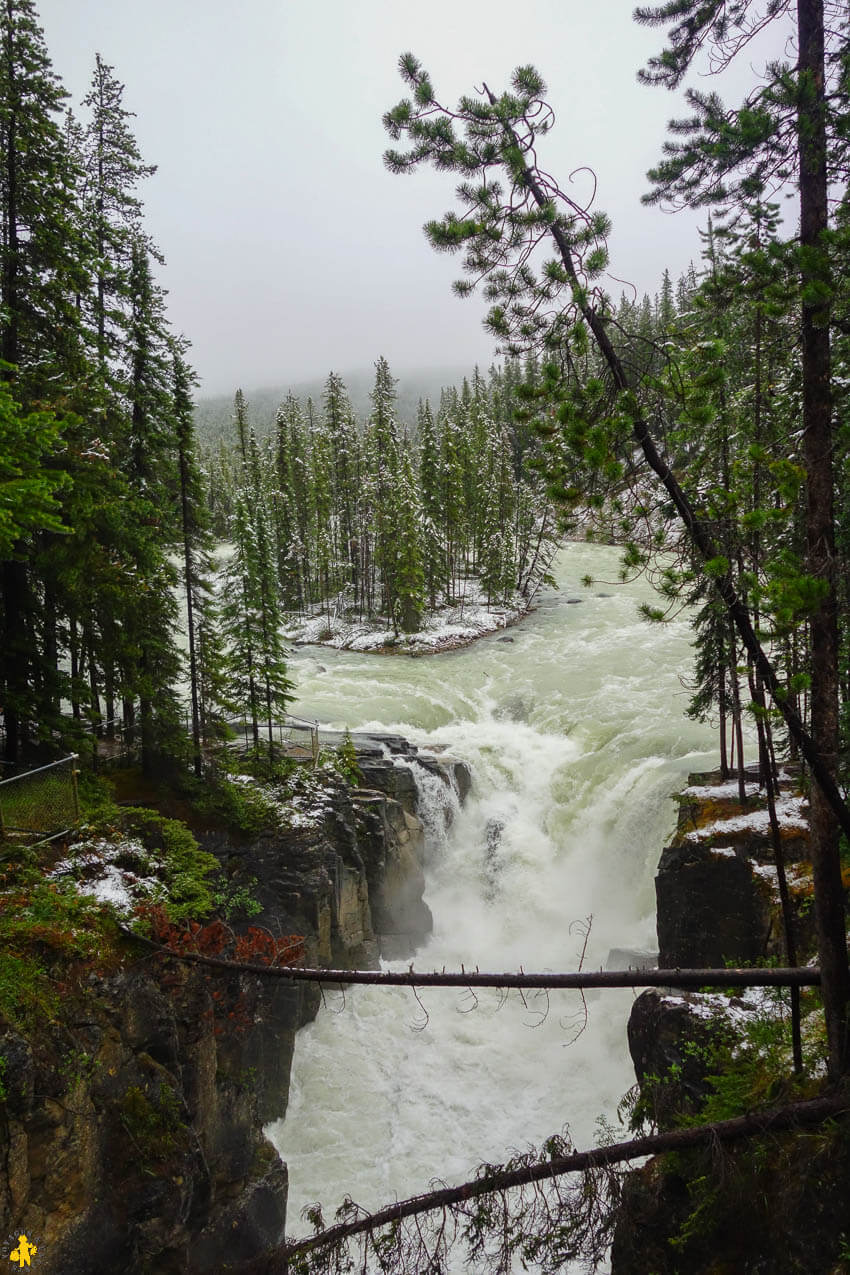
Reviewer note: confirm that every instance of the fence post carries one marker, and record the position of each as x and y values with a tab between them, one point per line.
314	741
75	789
2	825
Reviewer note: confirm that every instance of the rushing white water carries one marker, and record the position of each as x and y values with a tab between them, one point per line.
576	734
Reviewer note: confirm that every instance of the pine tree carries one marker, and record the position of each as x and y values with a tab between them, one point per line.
151	661
240	416
257	678
408	572
341	432
383	456
506	198
430	486
42	343
204	676
112	208
722	158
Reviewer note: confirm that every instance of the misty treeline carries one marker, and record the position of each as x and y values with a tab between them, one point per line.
386	520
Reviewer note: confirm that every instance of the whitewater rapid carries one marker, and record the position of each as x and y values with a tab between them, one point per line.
576	734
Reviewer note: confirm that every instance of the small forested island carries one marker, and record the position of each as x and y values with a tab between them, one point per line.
191	862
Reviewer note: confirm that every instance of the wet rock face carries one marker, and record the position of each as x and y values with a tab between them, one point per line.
671	1044
717	898
127	1151
776	1205
710	909
392	842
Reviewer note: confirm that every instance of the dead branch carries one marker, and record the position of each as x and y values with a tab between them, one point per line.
493	1180
799	976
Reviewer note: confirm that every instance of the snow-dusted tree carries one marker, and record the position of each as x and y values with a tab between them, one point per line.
256	663
382	454
408	573
498	567
112	209
431	494
205	651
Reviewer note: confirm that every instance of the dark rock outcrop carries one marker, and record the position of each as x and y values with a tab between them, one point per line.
769	1206
143	1148
139	1145
711	908
672	1043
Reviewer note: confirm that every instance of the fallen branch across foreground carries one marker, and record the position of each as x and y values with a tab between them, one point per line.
797	976
793	1116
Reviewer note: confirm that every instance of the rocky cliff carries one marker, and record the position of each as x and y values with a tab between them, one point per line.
774	1206
131	1131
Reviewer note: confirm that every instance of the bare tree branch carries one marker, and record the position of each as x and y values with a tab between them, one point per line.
492	1180
800	976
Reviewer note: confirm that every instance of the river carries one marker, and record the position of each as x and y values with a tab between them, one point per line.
576	734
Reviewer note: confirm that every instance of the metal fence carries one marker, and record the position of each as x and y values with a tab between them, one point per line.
296	735
42	802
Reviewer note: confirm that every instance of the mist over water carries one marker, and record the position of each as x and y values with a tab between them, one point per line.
576	734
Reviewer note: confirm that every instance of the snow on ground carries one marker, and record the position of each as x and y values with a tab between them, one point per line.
738	1009
441	630
789	813
92	867
305	806
795	873
719	792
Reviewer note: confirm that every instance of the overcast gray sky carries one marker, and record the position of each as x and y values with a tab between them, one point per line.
290	250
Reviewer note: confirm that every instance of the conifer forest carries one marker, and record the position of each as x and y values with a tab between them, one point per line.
156	568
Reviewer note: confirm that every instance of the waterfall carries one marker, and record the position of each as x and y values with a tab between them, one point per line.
576	736
437	802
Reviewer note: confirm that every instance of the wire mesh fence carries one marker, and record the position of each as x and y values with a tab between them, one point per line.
295	735
41	802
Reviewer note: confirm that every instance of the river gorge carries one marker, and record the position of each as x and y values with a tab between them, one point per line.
574	725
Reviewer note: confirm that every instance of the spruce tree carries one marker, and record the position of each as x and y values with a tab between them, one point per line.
383	457
112	208
196	554
431	489
42	342
408	572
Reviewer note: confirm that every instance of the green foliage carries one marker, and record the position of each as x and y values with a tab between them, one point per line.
346	761
154	1123
96	796
27	995
46	927
29	485
241	808
180	865
234	902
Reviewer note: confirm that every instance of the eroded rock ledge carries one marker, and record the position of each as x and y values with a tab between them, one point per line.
780	1211
140	1147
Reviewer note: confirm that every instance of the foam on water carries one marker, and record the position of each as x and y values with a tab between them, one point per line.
576	737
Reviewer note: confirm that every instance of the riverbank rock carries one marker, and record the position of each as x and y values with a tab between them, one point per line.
672	1041
769	1206
717	896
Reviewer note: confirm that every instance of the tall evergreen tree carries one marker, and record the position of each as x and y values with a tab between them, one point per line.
42	344
112	208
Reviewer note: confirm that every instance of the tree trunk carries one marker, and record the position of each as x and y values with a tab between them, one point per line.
815	277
